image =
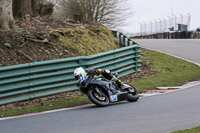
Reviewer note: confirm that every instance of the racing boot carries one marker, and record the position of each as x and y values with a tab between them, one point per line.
120	84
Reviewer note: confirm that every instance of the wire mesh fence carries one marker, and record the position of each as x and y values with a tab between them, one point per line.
173	23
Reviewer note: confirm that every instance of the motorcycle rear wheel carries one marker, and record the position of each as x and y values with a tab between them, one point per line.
101	100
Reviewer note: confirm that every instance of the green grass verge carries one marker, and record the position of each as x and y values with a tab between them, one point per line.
171	72
51	105
193	130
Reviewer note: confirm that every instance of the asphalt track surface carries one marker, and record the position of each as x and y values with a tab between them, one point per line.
155	114
185	48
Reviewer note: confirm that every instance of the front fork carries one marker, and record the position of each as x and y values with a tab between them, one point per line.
98	91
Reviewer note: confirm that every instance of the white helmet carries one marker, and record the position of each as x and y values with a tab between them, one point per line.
79	72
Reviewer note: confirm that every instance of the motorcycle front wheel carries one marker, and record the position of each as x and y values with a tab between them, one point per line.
95	97
133	94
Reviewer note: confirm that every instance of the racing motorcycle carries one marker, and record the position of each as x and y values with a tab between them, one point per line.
102	91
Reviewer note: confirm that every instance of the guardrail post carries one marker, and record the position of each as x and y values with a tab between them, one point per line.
126	42
122	40
118	37
137	59
130	43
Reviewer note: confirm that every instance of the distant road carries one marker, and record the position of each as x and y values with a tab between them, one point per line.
185	48
156	114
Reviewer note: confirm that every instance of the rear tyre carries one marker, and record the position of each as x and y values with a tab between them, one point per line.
101	100
133	94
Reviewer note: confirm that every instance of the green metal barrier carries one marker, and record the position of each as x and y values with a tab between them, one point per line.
32	80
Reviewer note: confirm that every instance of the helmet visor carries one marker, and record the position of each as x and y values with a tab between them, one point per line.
77	77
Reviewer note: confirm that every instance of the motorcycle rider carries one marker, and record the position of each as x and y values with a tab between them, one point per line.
108	75
79	73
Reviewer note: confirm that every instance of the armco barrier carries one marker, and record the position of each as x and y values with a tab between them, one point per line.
123	40
31	80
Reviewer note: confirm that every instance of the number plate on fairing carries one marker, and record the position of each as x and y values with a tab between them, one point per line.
114	98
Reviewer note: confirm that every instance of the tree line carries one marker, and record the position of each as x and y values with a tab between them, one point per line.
85	11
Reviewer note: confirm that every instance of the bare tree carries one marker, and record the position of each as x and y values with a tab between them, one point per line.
6	15
103	11
36	5
22	9
25	9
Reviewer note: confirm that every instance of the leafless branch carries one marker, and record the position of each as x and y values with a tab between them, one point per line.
108	12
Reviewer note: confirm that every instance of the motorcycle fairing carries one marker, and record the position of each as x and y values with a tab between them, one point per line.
107	86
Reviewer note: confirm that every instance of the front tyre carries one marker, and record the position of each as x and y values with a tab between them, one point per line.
133	94
101	100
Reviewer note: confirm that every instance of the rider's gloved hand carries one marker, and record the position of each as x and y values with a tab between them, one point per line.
115	74
99	71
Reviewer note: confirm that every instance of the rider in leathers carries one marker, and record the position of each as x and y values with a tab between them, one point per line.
107	74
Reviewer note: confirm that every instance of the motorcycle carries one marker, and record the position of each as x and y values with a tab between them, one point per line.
102	91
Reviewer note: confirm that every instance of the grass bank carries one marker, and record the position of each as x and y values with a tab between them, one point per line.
193	130
51	105
170	72
19	47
